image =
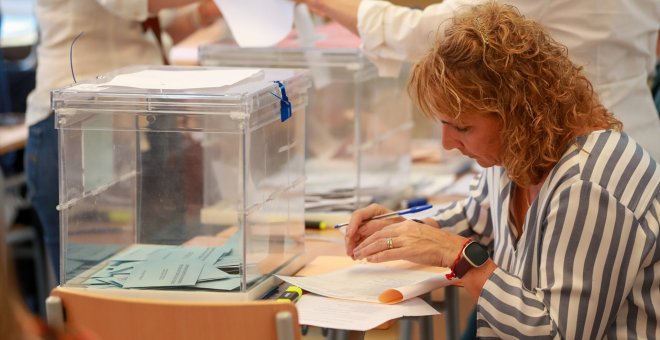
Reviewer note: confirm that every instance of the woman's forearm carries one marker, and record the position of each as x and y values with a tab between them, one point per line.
342	11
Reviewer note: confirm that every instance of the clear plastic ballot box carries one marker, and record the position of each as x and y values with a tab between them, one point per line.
144	150
358	123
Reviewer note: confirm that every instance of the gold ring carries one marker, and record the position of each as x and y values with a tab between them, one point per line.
389	243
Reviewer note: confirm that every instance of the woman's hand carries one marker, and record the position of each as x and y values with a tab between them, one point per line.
412	241
358	230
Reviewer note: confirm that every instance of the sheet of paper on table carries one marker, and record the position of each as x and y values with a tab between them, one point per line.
354	315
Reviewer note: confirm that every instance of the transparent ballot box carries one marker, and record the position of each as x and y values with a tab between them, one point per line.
146	151
358	123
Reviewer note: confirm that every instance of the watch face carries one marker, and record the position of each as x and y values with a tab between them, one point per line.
476	254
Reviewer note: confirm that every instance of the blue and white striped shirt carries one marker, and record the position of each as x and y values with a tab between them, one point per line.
587	265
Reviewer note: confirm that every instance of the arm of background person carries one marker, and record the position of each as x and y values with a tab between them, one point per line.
188	19
390	34
156	5
342	11
140	10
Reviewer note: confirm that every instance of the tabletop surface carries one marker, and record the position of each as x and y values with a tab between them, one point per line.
12	138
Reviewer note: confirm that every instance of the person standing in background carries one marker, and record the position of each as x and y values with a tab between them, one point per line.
114	36
614	40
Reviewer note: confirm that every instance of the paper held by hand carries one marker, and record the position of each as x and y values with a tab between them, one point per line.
396	295
372	283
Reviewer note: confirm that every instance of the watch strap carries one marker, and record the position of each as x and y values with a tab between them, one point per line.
462	267
464	264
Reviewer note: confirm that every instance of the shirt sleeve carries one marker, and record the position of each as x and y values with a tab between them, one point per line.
136	10
593	257
470	217
394	34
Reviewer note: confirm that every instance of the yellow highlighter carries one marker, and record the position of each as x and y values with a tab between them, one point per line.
317	225
291	294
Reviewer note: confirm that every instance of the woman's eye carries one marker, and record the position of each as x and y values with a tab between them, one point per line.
461	129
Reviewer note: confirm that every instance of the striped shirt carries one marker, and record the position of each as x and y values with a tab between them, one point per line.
587	265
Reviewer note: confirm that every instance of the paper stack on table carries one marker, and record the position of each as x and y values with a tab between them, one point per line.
150	266
326	312
160	266
371	283
364	296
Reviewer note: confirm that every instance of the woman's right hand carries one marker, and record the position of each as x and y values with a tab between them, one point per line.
358	230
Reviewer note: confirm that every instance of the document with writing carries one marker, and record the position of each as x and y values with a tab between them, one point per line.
164	274
371	283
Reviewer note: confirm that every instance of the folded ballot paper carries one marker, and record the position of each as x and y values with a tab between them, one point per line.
149	266
371	283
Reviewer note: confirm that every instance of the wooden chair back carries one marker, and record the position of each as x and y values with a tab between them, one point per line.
111	318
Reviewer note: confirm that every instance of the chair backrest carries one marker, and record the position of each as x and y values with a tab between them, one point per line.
130	318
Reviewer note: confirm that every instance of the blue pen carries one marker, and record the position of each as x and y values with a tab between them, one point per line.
414	202
394	213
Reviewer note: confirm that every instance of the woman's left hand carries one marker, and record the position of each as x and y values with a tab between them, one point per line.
412	241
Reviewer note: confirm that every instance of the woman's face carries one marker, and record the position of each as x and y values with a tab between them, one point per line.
474	135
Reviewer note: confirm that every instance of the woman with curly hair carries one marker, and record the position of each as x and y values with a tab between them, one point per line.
559	236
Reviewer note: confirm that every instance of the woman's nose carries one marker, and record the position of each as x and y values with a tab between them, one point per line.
448	138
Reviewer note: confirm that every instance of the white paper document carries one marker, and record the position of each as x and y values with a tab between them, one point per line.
326	312
174	79
257	23
371	283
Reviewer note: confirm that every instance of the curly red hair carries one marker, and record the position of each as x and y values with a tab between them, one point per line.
492	60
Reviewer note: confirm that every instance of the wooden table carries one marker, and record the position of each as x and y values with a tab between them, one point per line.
12	138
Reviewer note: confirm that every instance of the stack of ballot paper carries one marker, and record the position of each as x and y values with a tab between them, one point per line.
146	266
364	296
82	257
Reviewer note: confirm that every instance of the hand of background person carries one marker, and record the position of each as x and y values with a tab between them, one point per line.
190	18
342	11
208	12
313	5
358	230
412	241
